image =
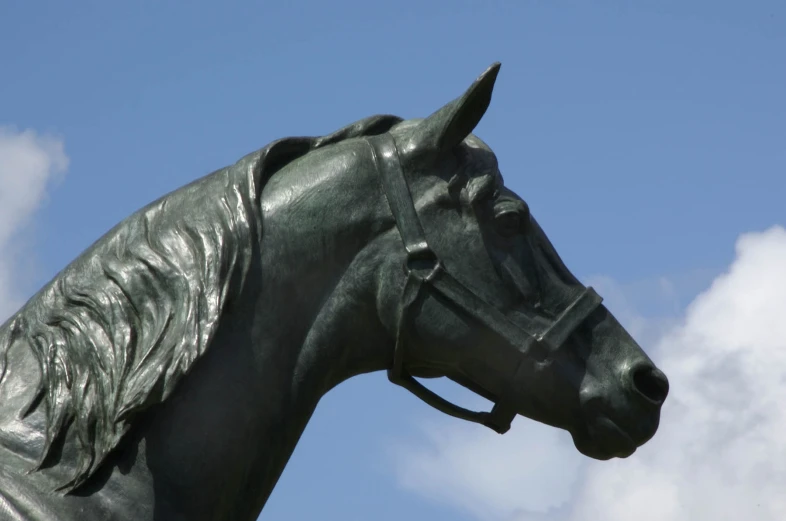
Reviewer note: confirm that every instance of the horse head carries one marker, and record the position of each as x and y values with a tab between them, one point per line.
475	292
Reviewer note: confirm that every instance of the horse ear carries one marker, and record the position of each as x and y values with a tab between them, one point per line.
447	127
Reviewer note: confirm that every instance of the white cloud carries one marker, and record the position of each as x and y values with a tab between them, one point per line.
28	164
720	453
489	475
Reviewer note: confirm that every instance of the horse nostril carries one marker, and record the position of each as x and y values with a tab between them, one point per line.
651	383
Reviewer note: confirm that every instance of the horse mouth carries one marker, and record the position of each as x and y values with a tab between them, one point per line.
603	439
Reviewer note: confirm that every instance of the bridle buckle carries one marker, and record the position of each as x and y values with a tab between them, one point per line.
421	257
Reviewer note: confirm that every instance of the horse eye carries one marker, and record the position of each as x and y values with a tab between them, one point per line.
508	223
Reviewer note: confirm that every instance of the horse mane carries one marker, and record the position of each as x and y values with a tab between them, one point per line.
119	327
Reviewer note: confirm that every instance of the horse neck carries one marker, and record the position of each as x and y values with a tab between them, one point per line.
305	322
326	226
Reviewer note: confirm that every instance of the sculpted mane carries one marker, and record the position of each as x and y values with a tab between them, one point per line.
119	327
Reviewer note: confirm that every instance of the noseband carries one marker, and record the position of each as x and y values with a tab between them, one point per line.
425	270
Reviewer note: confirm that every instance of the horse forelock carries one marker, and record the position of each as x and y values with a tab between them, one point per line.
118	328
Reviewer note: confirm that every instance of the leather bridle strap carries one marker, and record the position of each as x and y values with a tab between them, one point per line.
424	268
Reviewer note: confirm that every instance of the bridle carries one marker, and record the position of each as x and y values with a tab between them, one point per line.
425	270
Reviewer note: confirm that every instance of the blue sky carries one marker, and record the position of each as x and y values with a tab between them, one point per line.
646	136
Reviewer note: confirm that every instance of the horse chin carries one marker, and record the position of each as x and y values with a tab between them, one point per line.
602	439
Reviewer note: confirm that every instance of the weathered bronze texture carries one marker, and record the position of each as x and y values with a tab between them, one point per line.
169	371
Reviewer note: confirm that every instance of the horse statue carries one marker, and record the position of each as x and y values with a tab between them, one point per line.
168	372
